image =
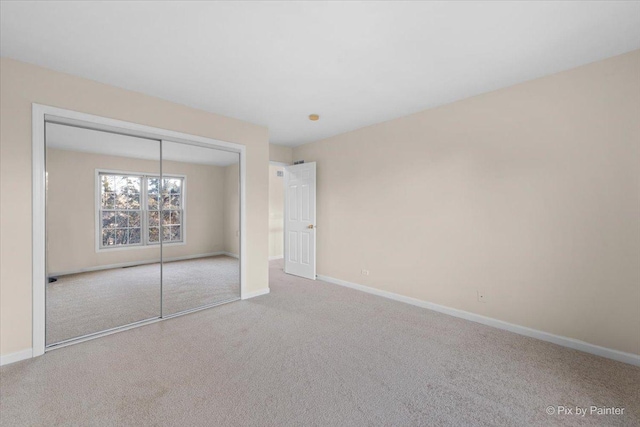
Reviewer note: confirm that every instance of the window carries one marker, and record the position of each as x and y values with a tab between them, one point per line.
120	211
166	204
136	209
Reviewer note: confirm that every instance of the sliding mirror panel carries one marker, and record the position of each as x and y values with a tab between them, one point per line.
103	246
199	212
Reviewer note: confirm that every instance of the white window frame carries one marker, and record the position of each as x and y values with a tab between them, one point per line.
144	225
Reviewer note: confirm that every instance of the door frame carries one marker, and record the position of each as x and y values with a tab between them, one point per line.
42	113
282	164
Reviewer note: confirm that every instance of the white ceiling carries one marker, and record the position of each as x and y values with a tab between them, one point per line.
354	63
73	138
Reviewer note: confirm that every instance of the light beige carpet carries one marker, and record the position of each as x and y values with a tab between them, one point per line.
315	354
84	303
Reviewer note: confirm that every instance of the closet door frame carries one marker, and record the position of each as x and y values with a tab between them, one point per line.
42	114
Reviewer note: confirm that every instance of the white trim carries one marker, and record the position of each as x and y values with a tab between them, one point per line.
38	266
75	118
243	223
232	255
271	258
609	353
16	357
134	263
257	293
39	114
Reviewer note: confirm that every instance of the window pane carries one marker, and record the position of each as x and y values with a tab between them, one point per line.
121	201
134	236
153	184
121	183
175	201
154	220
122	236
127	191
166	217
175	217
121	220
108	237
166	234
107	182
176	232
134	219
166	202
127	184
134	184
133	201
154	234
108	200
152	202
172	185
108	219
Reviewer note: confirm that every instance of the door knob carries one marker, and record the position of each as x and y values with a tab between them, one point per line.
311	226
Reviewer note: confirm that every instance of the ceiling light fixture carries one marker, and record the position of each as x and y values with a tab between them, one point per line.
313	117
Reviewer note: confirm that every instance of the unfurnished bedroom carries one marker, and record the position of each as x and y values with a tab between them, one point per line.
320	213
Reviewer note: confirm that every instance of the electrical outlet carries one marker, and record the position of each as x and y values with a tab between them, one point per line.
364	272
482	297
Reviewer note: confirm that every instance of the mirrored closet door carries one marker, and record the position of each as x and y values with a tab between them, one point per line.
103	254
138	229
200	218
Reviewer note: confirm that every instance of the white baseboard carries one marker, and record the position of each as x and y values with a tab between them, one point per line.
135	263
271	258
232	255
16	357
609	353
257	293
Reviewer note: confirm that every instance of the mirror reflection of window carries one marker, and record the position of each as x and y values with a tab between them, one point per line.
172	212
120	210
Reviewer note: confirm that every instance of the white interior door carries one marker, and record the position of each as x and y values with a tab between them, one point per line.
300	220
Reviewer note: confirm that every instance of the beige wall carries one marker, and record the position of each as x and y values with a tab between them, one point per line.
71	220
231	219
280	153
529	194
276	212
23	84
